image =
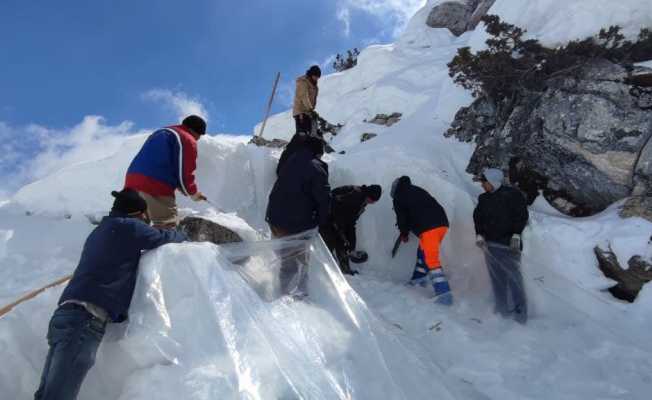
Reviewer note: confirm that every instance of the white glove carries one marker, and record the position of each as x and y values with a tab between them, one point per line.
515	243
479	241
198	196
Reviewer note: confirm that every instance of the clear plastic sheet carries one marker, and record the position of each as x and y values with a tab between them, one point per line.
509	294
212	321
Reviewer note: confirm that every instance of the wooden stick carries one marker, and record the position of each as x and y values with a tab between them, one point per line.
33	294
269	104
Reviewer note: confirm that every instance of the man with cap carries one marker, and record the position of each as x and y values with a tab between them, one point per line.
500	218
99	292
303	111
347	205
420	213
166	163
305	99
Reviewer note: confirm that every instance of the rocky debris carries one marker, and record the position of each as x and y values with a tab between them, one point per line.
384	119
203	230
366	136
458	16
324	127
262	142
641	89
631	280
321	128
637	206
583	140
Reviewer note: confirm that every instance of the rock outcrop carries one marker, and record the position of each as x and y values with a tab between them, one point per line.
630	281
367	136
203	230
583	141
262	142
458	16
385	119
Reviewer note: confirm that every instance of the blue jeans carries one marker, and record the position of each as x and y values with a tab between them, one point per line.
74	336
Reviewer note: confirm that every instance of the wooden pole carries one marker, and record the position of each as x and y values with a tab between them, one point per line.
269	104
33	294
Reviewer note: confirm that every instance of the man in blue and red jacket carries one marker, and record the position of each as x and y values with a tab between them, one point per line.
166	163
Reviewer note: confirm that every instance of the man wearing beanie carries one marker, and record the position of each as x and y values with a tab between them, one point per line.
99	292
166	163
347	205
305	99
500	217
420	213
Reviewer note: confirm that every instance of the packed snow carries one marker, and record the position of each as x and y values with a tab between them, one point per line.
201	326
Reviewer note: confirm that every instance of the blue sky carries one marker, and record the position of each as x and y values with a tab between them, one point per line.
149	62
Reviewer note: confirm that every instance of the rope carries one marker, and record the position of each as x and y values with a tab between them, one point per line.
4	310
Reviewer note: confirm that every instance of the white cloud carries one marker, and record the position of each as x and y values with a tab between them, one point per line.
33	151
396	13
344	15
178	102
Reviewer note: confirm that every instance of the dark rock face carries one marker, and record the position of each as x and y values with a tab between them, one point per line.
452	15
583	141
203	230
367	136
458	16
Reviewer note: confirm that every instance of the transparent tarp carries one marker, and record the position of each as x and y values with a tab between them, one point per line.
509	294
212	321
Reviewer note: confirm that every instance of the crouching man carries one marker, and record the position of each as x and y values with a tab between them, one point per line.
347	205
99	292
420	213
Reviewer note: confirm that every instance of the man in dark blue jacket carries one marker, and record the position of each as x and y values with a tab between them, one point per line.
99	292
299	201
418	212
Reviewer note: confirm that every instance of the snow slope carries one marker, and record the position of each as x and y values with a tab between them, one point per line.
580	342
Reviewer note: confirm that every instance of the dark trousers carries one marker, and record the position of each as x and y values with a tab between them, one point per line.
340	243
293	274
303	123
504	266
74	336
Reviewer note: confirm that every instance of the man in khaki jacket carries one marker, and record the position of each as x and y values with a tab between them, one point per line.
305	99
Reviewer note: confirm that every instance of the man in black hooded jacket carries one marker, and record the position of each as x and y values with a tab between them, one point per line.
299	201
420	213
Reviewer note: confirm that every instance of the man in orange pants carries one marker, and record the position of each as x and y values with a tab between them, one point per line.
418	212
